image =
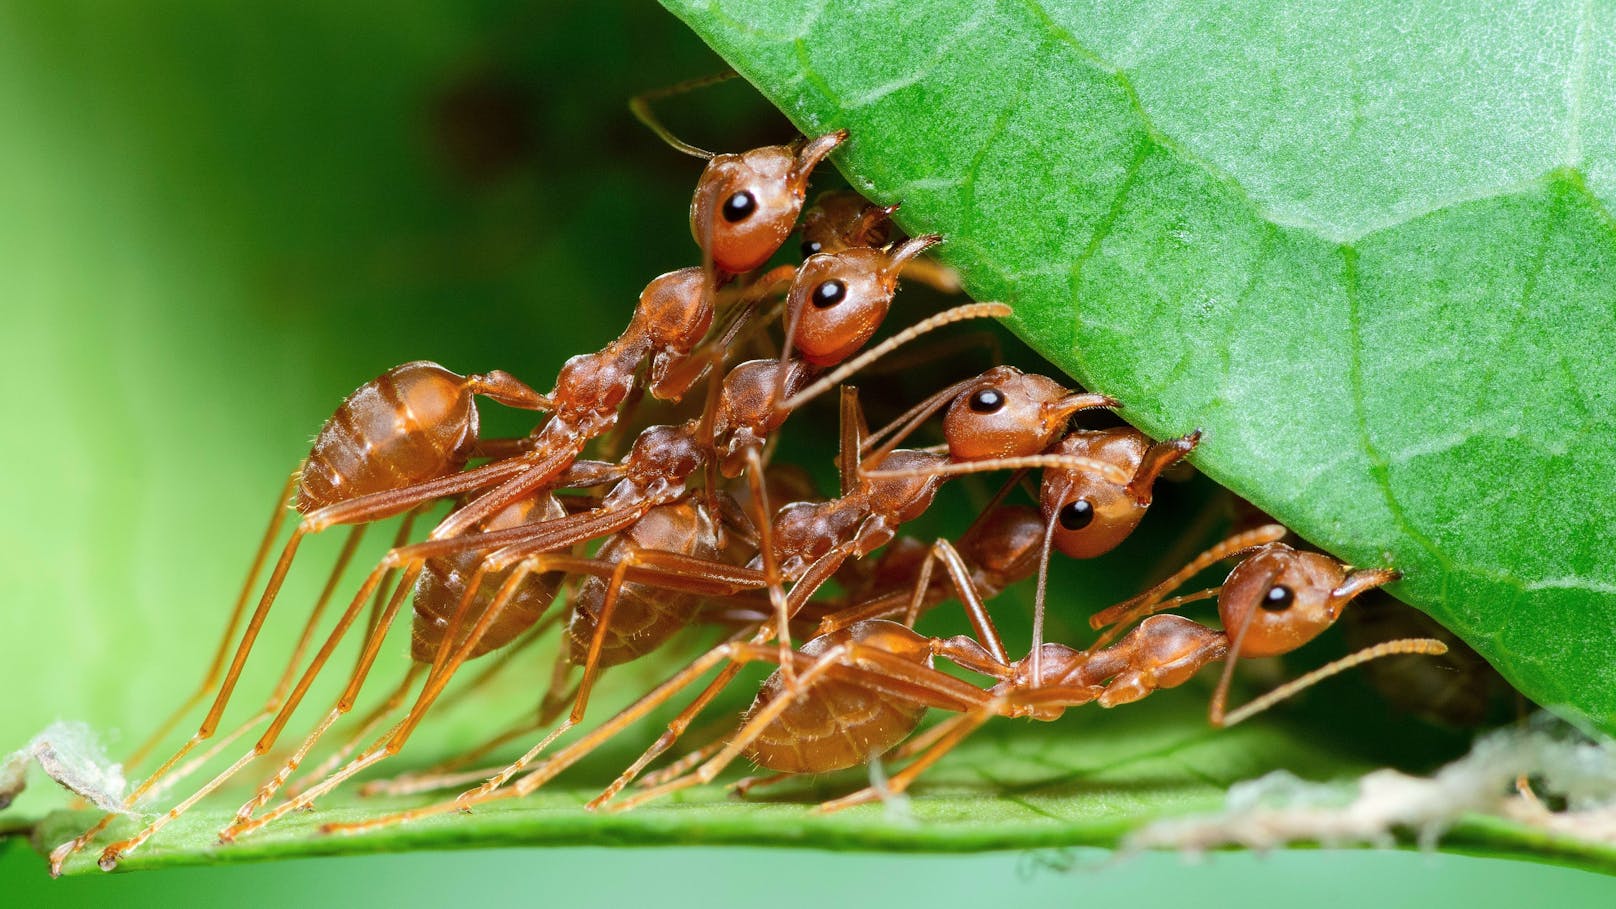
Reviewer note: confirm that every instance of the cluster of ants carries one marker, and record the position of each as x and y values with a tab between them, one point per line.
695	526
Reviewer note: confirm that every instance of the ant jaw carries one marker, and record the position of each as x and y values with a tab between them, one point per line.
900	255
1359	582
812	153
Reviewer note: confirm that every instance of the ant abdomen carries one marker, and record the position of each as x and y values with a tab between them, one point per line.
843	723
413	423
442	585
643	617
746	205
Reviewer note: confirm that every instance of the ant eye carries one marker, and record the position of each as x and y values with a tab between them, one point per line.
810	247
829	293
1077	514
987	400
741	205
1278	598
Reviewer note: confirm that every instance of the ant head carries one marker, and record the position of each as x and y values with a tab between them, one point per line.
747	204
1006	542
841	218
748	408
903	499
1285	598
675	310
839	299
1093	513
1005	413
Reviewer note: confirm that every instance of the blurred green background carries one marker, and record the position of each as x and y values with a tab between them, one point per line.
216	221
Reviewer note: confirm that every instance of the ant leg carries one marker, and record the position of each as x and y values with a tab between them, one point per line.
500	449
841	373
163	777
682	766
367	729
406	783
216	666
729	652
1403	646
1131	610
246	823
927	685
771	565
278	694
817	573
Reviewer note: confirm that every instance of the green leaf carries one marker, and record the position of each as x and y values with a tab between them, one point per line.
215	221
1369	251
1085	781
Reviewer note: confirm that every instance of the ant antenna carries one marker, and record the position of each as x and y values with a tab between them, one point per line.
1059	461
1400	647
946	317
640	105
1036	656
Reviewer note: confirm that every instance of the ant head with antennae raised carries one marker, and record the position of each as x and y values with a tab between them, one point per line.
1283	598
839	299
746	205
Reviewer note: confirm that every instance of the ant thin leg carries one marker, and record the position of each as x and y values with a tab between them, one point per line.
771	566
815	576
216	666
851	367
1403	646
1107	470
566	757
368	727
1128	611
156	782
282	684
538	563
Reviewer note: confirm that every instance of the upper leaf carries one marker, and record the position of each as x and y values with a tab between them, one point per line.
1369	251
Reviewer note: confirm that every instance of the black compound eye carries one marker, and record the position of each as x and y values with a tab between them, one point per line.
739	206
1077	514
1278	598
829	293
987	400
810	247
